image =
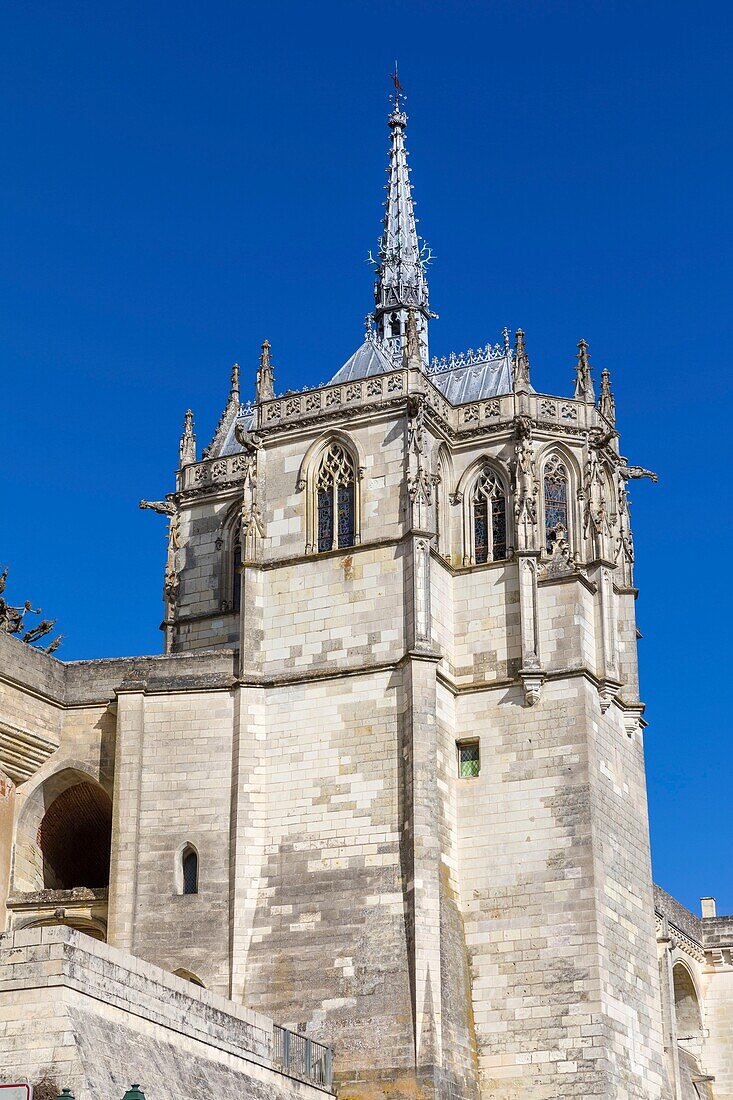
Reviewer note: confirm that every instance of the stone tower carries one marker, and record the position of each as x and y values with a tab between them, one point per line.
439	843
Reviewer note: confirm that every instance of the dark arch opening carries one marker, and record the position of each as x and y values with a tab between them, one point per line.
75	837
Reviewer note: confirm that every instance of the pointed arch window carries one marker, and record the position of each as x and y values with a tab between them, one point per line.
335	486
489	518
555	498
190	870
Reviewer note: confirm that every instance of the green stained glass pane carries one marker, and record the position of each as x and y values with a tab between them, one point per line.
468	761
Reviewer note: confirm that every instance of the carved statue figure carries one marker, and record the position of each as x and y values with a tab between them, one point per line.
631	472
412	356
525	483
171	580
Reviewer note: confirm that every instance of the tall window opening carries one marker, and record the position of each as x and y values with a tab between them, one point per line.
335	488
237	577
190	868
555	491
489	518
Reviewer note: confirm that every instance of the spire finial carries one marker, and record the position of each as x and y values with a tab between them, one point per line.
187	446
521	364
234	388
265	388
583	382
606	401
399	91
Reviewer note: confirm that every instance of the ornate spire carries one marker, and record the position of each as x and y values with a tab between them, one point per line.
187	446
521	364
403	256
265	389
606	402
583	382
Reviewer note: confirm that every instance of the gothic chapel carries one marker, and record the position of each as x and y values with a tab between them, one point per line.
375	822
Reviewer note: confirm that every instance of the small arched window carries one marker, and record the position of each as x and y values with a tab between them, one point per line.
237	577
335	489
555	497
190	870
489	518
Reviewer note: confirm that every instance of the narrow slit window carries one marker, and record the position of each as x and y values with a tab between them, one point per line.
237	577
190	862
469	759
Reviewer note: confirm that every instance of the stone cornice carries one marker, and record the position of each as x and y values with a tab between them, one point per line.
23	752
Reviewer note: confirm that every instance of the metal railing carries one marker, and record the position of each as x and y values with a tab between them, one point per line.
302	1057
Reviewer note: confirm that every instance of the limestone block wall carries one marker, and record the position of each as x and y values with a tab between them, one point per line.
567	617
173	788
629	976
333	612
328	946
78	1014
486	638
718	1048
537	898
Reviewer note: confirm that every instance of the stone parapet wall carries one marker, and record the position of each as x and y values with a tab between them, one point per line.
62	994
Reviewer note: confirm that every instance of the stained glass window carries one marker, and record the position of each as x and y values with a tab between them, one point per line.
190	872
469	759
498	527
325	519
555	498
481	531
489	540
346	515
335	487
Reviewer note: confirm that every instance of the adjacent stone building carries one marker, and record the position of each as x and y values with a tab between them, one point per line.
386	784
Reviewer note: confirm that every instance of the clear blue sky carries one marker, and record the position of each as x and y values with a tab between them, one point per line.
181	180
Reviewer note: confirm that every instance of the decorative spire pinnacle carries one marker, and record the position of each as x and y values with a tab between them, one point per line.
234	388
521	364
187	446
403	256
265	388
606	402
583	382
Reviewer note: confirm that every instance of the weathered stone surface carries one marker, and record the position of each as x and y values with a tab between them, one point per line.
78	1014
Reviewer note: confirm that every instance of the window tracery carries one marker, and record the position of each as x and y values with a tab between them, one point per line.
335	487
489	518
555	497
